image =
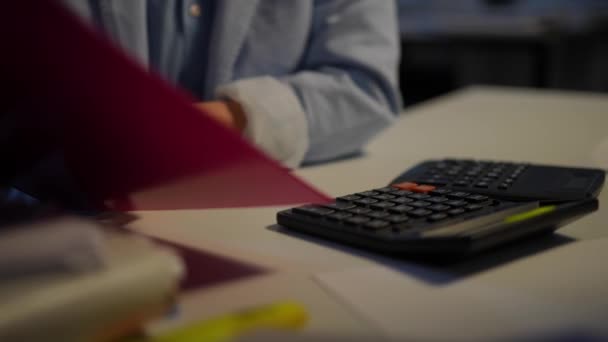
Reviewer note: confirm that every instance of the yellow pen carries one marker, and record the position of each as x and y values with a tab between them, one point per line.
282	315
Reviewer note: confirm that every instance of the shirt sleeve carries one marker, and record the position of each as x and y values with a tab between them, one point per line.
276	121
344	92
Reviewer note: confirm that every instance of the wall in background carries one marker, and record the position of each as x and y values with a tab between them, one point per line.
449	44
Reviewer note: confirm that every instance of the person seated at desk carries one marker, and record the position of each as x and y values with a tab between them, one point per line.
306	81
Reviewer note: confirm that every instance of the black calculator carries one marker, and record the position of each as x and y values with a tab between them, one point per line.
517	181
440	218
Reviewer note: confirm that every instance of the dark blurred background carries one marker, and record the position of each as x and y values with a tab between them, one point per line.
448	44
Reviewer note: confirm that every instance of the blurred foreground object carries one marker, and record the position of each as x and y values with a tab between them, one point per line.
65	244
130	140
109	286
286	316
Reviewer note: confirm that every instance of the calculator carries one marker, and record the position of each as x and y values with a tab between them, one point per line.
517	181
409	218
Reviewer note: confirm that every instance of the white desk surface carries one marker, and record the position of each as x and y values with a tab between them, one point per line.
562	128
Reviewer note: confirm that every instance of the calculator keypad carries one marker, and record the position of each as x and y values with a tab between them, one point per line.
472	174
396	210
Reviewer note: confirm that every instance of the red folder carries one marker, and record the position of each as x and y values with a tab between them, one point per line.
132	140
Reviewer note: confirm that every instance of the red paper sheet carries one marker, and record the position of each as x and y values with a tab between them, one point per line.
132	140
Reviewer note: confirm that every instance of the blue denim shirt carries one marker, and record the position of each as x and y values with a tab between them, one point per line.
317	79
176	51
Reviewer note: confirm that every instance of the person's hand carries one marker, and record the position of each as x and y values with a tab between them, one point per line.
228	113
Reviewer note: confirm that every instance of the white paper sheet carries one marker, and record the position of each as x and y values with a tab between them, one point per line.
559	293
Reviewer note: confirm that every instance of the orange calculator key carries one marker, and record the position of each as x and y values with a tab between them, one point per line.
405	186
423	188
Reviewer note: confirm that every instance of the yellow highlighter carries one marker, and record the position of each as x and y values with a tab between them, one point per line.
282	315
530	214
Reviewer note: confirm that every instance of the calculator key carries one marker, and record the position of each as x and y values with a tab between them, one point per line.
435	175
419	212
405	186
360	210
368	193
419	196
455	212
378	214
384	197
482	185
348	198
385	189
440	192
366	201
435	181
402	192
402	200
339	216
439	207
458	195
401	209
439	199
473	207
456	203
420	204
397	218
339	206
477	198
313	210
444	180
503	186
376	224
357	220
461	183
382	205
424	188
437	217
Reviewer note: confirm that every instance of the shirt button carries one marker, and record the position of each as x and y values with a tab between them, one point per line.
195	10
